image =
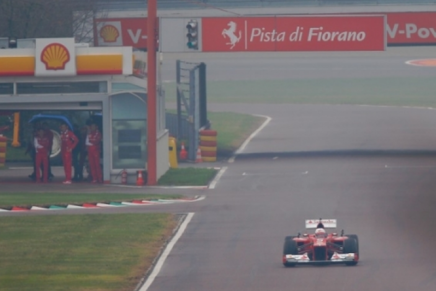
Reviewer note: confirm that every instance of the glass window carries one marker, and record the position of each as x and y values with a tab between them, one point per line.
61	87
126	106
4	42
129	152
161	125
6	88
118	87
129	131
129	135
129	147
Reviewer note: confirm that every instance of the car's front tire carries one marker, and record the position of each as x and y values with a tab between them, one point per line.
290	248
351	245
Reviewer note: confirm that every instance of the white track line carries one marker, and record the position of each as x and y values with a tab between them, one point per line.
165	253
409	167
244	145
217	178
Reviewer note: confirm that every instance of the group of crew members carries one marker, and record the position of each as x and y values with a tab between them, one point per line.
75	147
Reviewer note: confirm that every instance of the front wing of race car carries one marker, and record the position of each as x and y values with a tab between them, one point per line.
335	259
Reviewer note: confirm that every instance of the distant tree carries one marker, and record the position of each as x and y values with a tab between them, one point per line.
45	18
83	25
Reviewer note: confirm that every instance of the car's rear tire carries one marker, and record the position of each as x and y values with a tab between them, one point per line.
290	248
351	245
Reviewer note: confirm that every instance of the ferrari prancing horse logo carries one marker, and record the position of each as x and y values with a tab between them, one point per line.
231	34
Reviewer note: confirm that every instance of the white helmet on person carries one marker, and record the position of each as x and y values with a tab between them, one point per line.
320	233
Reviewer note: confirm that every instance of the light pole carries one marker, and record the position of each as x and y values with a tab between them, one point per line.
151	93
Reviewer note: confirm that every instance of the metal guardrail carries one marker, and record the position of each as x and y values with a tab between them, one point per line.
172	124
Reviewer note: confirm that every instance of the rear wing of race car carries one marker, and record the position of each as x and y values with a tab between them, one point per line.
327	223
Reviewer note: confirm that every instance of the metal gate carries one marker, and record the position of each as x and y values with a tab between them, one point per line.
191	105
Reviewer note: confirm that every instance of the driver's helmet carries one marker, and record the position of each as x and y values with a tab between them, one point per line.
320	233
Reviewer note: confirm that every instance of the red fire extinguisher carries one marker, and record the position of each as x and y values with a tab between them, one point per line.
124	177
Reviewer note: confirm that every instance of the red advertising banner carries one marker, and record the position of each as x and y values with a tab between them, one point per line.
121	32
411	28
296	33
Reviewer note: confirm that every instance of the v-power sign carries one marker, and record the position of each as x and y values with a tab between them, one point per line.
279	33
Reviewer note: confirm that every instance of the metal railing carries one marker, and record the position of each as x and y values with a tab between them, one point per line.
202	4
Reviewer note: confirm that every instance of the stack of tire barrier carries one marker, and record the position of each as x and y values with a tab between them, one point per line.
208	145
2	150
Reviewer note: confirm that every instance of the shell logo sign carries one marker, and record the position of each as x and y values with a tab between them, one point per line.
122	32
60	57
109	33
55	56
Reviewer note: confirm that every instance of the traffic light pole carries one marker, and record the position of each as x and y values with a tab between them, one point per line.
151	93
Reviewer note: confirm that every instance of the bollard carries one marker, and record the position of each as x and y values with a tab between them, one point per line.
172	151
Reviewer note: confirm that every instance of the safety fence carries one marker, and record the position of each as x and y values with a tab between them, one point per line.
177	127
191	114
201	4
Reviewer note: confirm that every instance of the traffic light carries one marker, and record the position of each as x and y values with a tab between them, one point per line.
192	35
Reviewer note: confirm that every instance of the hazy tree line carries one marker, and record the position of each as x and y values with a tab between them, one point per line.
46	18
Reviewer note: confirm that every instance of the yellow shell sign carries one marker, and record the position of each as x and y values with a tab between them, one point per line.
55	56
109	33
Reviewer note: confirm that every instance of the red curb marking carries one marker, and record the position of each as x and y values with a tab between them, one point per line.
423	63
87	205
19	209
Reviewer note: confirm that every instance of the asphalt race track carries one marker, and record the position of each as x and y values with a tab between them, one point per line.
372	168
387	197
313	65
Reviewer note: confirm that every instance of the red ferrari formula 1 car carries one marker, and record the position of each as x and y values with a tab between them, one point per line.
321	247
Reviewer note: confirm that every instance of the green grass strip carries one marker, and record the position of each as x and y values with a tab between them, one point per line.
46	199
233	129
392	91
187	177
80	252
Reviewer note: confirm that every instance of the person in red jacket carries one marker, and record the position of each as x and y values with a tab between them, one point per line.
68	142
93	144
42	145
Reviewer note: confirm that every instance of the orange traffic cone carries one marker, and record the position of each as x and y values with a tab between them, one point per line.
139	180
198	158
183	153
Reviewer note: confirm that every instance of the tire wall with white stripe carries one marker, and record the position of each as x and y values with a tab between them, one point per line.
208	145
